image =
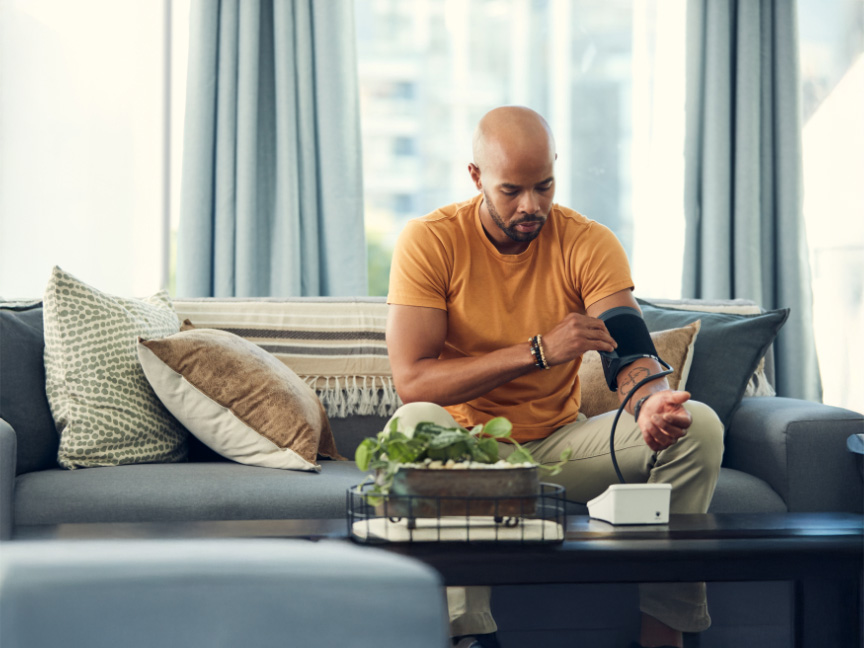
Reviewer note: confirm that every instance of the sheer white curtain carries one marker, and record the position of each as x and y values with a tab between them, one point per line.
82	146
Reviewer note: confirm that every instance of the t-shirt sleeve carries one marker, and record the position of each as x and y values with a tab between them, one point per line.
601	268
419	273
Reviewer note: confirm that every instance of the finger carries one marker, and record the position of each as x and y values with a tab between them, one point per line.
596	341
596	329
664	434
667	428
651	443
677	397
655	437
670	433
680	419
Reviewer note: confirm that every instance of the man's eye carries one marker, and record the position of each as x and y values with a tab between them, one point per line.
545	188
509	193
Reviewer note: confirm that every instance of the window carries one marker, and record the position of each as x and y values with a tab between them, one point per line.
90	121
609	77
832	86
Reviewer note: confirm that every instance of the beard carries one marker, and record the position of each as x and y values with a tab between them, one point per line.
511	231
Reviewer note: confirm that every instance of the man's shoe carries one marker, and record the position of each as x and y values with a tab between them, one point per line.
477	641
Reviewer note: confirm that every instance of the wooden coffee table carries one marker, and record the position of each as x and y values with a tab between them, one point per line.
823	553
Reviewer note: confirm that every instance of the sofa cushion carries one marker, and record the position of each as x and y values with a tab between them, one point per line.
740	492
727	350
232	491
336	344
674	346
102	404
23	403
238	399
761	381
186	491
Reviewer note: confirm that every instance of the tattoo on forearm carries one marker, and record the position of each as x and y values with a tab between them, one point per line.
629	380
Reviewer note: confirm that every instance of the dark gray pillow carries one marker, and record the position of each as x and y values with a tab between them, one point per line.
23	403
727	350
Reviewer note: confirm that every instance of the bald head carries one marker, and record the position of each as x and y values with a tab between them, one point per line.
512	132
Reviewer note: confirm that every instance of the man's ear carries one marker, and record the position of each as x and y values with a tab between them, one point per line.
474	170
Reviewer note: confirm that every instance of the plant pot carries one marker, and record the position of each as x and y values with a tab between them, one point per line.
437	492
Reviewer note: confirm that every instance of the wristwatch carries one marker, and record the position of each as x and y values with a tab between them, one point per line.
638	406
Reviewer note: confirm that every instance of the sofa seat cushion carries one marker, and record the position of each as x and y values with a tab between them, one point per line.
184	491
230	491
740	492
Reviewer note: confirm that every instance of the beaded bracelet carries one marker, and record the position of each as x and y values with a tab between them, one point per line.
542	353
537	352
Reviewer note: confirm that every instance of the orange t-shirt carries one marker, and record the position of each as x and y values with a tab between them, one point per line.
493	300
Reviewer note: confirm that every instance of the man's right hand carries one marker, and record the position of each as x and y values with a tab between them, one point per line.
415	339
573	336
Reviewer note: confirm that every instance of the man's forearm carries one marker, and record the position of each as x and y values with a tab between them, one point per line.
457	380
630	376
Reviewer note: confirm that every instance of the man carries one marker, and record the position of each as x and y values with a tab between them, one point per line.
472	284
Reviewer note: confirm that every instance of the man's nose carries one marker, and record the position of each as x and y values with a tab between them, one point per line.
530	203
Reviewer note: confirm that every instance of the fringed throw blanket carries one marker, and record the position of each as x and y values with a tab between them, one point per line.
336	345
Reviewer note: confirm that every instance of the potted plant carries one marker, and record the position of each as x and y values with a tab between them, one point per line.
431	471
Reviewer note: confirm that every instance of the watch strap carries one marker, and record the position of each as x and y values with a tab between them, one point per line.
638	406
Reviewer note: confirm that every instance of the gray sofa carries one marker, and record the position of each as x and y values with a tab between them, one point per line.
781	454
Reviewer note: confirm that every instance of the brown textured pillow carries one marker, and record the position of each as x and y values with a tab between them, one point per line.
675	346
238	399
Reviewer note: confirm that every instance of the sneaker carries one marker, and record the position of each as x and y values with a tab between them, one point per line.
489	640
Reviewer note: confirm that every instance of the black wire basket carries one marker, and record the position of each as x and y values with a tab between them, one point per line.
529	519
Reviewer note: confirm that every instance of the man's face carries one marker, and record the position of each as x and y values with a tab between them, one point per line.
521	227
518	195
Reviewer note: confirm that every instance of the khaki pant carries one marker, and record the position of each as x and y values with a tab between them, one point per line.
691	466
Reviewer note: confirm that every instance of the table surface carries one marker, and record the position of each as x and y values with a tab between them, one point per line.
580	528
781	546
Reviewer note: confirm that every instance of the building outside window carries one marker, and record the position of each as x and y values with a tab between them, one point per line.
609	77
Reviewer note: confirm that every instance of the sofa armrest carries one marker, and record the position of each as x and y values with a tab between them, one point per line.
8	453
799	448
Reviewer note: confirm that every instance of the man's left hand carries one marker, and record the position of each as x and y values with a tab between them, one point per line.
663	419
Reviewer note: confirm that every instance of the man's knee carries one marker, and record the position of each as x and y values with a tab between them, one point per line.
705	435
411	414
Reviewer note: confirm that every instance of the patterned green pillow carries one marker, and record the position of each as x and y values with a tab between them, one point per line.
102	404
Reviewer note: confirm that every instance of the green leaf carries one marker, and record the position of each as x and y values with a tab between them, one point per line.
499	427
364	453
520	455
490	447
446	437
554	469
431	430
399	452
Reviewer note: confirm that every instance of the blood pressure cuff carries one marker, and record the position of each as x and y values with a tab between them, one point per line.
628	329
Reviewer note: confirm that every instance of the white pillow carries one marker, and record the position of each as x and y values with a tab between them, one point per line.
238	399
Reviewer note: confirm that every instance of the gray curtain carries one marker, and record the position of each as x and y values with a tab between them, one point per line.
743	187
272	191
